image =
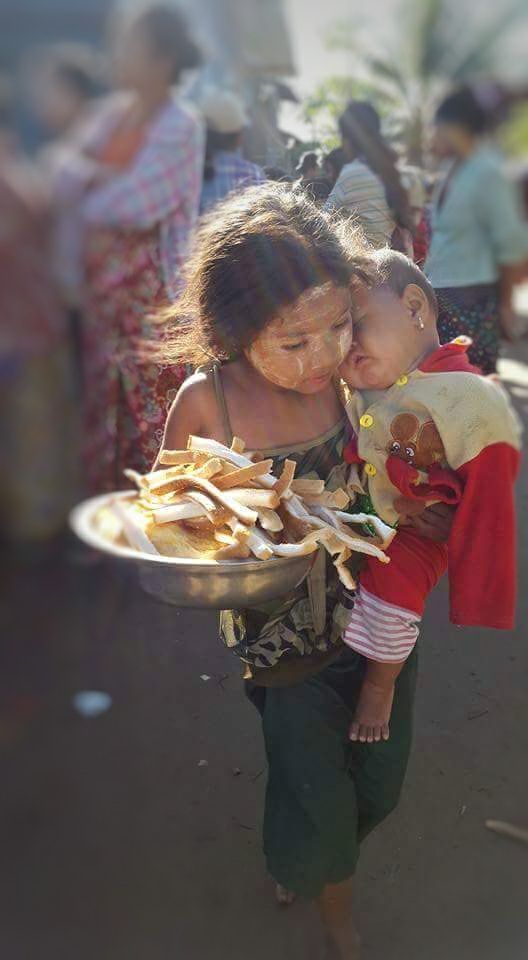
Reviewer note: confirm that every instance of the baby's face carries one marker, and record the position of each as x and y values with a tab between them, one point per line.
386	340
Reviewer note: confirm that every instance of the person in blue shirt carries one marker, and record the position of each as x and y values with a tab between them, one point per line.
226	170
480	240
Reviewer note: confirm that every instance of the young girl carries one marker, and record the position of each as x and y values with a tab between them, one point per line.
268	308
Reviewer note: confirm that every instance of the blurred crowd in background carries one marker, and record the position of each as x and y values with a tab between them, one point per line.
97	219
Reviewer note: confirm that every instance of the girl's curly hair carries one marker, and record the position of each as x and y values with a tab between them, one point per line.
256	253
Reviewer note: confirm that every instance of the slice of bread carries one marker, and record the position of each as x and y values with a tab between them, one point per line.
196	541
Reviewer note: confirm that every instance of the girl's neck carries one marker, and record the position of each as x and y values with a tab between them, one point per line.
268	417
466	148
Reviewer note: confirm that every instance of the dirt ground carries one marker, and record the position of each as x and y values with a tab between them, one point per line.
135	835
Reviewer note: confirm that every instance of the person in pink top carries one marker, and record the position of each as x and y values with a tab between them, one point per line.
135	176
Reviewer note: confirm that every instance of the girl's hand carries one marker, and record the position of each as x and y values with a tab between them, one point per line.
434	522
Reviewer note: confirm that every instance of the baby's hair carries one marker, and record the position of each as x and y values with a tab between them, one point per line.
396	271
256	253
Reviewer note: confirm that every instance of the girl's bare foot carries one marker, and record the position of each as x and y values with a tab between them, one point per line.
371	722
342	951
335	907
283	896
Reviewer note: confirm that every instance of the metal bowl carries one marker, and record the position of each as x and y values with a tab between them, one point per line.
217	585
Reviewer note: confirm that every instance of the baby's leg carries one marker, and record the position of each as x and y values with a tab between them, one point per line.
383	624
371	720
385	635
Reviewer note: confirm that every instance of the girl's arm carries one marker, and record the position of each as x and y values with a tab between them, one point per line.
73	168
189	414
165	175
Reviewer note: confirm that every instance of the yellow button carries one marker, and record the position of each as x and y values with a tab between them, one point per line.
367	421
401	381
462	341
370	470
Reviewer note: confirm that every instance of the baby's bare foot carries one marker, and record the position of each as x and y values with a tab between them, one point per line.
371	722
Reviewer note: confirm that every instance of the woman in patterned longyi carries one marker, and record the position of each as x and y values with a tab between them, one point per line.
137	177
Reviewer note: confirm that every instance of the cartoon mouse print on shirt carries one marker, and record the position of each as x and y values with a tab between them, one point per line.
419	446
417	449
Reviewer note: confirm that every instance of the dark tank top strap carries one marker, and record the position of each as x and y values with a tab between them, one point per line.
222	405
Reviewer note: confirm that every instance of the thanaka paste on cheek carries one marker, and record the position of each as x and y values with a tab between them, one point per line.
275	365
320	352
288	369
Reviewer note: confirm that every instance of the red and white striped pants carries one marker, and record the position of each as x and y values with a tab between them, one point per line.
391	597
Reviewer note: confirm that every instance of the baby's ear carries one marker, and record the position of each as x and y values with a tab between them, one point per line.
415	300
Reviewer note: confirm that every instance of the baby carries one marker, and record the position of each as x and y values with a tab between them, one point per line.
428	427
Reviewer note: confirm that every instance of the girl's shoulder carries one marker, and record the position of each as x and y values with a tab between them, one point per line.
200	403
192	412
197	390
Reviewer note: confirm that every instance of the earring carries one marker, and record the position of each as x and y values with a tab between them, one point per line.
421	324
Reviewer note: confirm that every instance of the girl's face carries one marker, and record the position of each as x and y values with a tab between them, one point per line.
136	66
450	140
303	346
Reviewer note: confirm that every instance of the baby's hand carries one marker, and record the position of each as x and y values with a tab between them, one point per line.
371	722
